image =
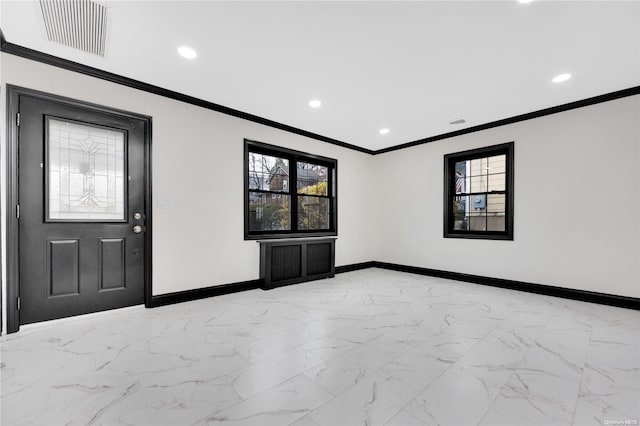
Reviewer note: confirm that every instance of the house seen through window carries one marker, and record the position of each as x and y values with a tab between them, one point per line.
288	193
479	193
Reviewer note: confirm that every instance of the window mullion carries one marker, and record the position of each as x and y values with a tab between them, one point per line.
452	192
330	196
470	194
270	224
486	216
293	191
473	177
314	195
264	191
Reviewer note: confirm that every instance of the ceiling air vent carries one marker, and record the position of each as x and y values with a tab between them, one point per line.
81	24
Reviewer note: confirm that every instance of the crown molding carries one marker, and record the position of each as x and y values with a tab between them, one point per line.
56	61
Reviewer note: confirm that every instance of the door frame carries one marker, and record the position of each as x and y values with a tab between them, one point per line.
13	237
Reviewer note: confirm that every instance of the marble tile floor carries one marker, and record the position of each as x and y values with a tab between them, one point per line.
370	347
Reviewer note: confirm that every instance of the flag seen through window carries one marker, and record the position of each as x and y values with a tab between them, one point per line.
478	193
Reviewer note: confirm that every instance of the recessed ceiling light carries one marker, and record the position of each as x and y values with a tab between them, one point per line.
384	131
187	52
560	78
315	103
524	1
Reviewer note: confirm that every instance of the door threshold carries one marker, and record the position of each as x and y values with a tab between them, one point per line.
83	317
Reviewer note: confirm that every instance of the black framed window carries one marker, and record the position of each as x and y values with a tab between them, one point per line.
478	193
288	193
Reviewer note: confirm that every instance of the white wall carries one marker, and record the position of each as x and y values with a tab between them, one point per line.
197	156
577	193
577	203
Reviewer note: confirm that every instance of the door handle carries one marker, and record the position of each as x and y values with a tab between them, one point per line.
138	216
138	229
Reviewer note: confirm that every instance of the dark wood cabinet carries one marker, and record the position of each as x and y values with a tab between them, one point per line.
284	262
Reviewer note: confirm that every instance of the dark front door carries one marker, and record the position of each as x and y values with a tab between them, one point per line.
81	209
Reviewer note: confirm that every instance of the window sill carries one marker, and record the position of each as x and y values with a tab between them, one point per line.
264	237
479	236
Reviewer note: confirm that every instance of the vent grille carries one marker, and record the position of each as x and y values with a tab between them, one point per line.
81	24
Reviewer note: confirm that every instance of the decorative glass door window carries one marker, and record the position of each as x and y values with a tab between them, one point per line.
85	172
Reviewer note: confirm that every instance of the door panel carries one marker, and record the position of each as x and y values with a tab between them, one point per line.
81	179
62	268
112	263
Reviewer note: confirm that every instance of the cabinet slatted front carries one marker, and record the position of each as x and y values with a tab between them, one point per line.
284	262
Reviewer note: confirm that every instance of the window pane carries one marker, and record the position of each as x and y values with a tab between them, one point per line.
478	184
480	175
496	221
496	207
86	172
497	164
478	166
312	179
497	182
268	173
313	213
496	203
478	221
460	206
461	224
478	203
461	177
269	212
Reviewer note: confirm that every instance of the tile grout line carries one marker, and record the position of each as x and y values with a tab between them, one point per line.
551	314
586	356
374	372
273	356
288	316
542	329
442	373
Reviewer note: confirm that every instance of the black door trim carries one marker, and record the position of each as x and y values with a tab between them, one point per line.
13	106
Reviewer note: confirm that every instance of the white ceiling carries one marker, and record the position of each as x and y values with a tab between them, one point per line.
409	66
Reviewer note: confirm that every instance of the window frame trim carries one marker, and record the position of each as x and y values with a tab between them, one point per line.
293	156
449	191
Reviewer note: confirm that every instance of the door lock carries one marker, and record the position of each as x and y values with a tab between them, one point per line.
138	216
